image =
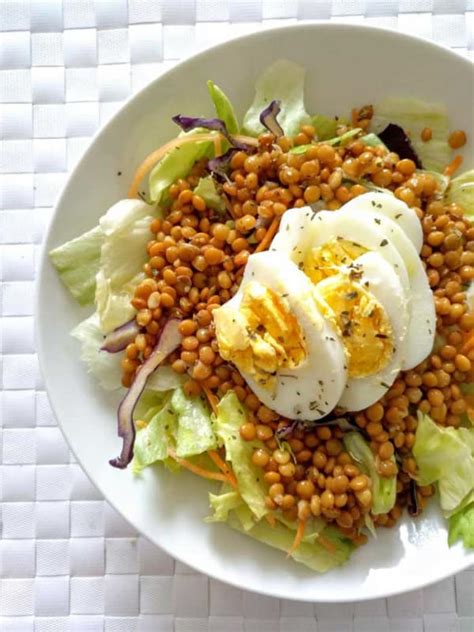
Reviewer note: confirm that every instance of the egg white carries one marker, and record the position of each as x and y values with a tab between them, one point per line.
422	325
384	284
394	209
304	229
312	389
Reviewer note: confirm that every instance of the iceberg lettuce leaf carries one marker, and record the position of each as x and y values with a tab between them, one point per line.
461	191
384	490
172	420
206	188
149	404
77	263
311	554
164	379
104	366
151	443
372	140
176	164
282	81
325	126
224	108
445	456
222	504
126	230
231	415
413	116
461	526
194	433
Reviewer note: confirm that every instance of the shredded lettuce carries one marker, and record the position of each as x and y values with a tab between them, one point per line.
206	188
173	420
224	108
77	262
337	140
176	164
300	149
104	366
228	501
461	191
343	139
113	301
149	404
372	140
151	443
106	262
231	415
325	126
414	115
461	526
194	431
126	230
445	456
164	379
282	81
310	553
222	504
384	490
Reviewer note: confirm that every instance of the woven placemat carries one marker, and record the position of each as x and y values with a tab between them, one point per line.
68	562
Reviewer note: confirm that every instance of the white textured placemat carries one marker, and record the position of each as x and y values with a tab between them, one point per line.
68	562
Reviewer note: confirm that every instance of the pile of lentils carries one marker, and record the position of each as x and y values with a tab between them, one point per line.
196	261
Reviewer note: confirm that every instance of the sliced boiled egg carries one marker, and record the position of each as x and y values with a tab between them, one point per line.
367	303
393	208
422	325
319	243
274	333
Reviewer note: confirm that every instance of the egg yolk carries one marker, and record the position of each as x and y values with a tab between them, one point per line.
362	322
262	336
325	260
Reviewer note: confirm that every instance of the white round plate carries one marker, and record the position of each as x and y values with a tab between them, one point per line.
346	66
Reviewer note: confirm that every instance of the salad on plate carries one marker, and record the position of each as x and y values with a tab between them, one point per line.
287	300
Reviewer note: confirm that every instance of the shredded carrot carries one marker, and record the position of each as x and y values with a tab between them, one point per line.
196	469
211	398
248	140
215	456
298	537
228	206
453	166
355	117
217	146
270	518
224	468
328	545
155	156
272	229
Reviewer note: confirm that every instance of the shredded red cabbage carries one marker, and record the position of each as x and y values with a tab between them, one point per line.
219	165
268	118
412	500
285	431
188	123
395	138
170	339
120	337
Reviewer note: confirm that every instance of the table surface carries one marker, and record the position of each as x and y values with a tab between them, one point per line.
68	561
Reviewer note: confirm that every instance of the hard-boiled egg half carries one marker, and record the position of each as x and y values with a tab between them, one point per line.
273	331
338	306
